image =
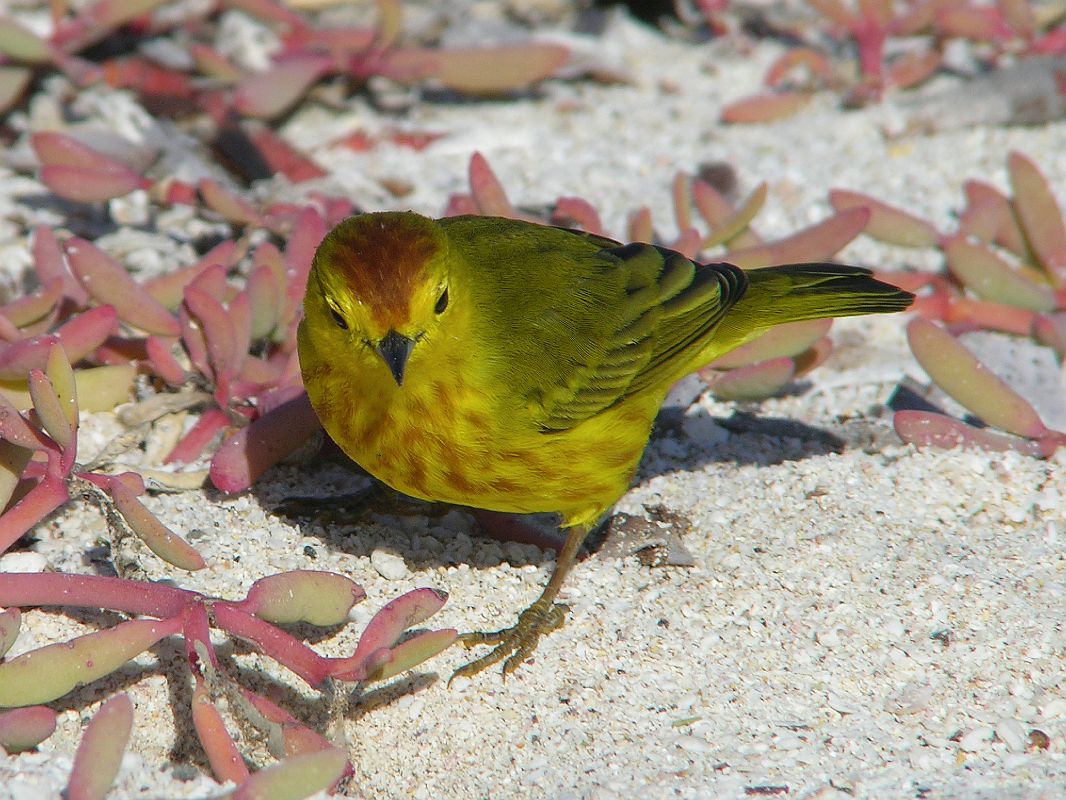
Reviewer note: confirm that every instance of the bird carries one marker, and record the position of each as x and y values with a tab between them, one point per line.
506	365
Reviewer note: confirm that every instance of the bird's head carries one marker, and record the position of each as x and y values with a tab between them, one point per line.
381	281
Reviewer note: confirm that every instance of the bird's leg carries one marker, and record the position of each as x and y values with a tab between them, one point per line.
517	643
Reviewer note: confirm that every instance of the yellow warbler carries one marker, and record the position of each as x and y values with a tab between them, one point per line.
516	367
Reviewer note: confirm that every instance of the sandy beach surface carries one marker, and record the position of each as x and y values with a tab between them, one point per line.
862	619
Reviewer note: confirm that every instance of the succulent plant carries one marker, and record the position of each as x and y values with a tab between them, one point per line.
1004	270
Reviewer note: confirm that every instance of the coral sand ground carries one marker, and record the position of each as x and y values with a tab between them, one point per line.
879	622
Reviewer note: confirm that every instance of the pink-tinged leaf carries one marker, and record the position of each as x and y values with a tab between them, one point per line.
220	335
240	314
99	755
835	11
734	227
83	334
259	372
1051	43
487	190
212	423
911	69
979	23
13	461
18	358
15	429
306	235
212	64
149	79
929	429
764	107
25	728
639	227
887	223
158	537
50	263
959	373
477	70
222	753
575	211
296	777
1050	331
49	672
983	219
412	652
1039	215
312	596
10	622
688	243
870	34
385	629
915	19
162	360
680	190
459	204
252	450
265	302
1008	232
19	43
42	500
31	308
814	62
879	12
108	283
993	316
281	156
230	206
168	289
13	82
752	382
90	185
789	339
712	204
297	739
992	278
275	90
192	336
816	243
49	410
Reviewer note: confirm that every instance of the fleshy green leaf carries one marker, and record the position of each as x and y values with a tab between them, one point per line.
959	373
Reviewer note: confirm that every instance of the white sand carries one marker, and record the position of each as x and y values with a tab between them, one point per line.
872	624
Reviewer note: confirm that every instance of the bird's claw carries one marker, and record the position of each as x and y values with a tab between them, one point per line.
516	643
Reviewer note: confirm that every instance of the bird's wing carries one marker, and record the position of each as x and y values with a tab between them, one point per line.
666	305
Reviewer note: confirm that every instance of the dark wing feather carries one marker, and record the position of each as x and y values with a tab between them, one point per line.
670	305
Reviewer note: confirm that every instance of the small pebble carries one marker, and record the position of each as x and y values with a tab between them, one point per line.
975	739
390	566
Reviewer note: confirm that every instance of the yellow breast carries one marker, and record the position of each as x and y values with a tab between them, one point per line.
442	437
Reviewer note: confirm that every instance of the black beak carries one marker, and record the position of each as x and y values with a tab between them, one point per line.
394	350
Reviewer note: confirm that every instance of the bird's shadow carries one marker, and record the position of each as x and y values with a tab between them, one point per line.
341	505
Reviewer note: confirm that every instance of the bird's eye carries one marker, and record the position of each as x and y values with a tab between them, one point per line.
338	320
442	302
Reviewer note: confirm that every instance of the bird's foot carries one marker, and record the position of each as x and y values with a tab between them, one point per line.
517	643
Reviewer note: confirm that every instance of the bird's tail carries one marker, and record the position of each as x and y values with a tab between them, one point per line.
795	292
